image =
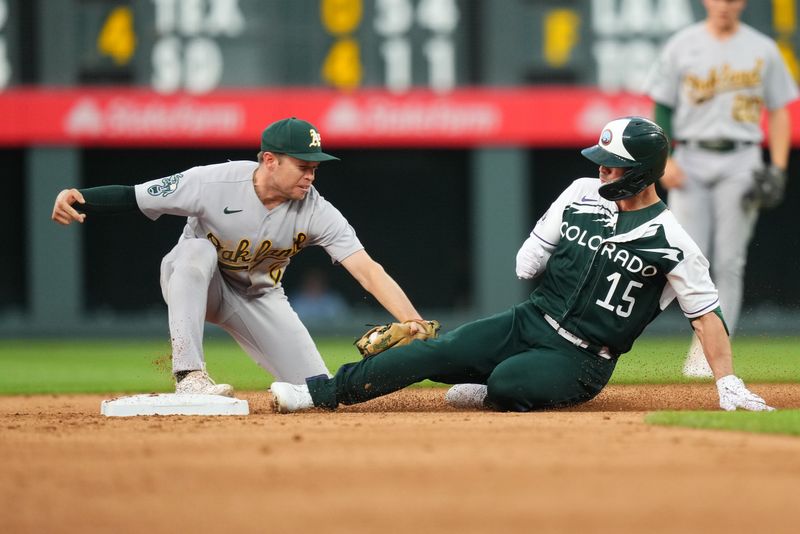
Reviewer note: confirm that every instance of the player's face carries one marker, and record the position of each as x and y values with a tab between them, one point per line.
293	177
724	14
610	174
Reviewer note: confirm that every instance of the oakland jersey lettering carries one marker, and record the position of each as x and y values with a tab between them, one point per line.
722	79
241	258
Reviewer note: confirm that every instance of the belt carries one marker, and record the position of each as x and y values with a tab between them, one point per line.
716	145
603	352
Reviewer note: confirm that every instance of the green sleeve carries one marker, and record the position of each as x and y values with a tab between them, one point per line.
663	117
718	312
108	199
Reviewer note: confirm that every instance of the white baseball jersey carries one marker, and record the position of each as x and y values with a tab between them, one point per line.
717	89
612	272
254	245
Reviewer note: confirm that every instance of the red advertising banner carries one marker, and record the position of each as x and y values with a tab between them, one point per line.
534	117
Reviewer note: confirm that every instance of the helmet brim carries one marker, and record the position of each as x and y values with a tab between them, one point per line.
601	156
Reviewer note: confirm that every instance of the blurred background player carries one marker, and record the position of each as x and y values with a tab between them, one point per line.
711	83
245	221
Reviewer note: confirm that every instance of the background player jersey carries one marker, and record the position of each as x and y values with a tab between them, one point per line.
254	244
611	273
718	89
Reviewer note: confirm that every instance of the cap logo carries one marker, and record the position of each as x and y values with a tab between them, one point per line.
606	137
316	139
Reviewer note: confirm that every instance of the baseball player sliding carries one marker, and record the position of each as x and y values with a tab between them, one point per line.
610	257
245	221
710	85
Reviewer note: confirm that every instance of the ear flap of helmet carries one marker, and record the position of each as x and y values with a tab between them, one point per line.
622	188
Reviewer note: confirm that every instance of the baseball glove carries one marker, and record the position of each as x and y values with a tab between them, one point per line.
382	337
769	185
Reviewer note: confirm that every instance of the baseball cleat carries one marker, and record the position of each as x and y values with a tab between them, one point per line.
466	396
290	398
199	383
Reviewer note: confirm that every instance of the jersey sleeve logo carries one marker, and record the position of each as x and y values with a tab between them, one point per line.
166	187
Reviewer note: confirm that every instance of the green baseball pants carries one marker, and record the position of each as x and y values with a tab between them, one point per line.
517	354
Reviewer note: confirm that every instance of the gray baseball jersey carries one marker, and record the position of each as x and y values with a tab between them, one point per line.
229	261
254	245
718	89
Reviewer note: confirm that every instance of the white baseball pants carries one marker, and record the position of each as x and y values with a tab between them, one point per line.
709	207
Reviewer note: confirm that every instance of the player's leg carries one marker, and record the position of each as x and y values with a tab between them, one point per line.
551	376
269	330
734	226
190	285
466	354
692	204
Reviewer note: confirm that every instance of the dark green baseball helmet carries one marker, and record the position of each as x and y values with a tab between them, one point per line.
635	143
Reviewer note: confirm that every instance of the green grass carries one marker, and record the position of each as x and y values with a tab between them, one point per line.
135	366
756	359
779	422
129	366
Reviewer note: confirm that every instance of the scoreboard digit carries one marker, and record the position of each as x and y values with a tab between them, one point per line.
342	65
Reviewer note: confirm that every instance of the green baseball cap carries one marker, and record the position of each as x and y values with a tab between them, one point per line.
296	138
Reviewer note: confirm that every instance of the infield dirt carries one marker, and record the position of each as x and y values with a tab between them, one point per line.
403	463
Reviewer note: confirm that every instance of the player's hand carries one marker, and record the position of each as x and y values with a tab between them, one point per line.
673	175
768	190
529	262
733	394
530	259
63	212
416	326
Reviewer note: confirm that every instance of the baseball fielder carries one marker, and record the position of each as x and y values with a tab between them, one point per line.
611	257
245	222
710	85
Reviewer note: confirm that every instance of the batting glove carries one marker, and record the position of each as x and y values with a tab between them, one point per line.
530	259
733	394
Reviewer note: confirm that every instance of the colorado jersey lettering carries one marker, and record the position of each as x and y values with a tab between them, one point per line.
611	272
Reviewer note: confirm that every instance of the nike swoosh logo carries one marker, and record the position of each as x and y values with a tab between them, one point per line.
228	211
588	199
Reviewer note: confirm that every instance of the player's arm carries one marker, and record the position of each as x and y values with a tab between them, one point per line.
535	252
533	256
73	204
713	336
372	277
732	392
673	174
779	137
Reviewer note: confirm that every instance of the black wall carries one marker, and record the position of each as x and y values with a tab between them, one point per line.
410	208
